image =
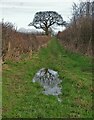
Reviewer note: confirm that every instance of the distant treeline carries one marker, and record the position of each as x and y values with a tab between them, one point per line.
15	44
78	34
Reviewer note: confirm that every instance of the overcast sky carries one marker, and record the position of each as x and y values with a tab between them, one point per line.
21	12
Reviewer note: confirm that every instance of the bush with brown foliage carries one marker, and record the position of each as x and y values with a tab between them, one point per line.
15	43
78	35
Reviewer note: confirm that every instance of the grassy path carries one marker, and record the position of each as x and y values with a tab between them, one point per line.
23	99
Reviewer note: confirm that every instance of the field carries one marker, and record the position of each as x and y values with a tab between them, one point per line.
24	99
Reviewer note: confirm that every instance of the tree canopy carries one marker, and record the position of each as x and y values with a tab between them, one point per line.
44	20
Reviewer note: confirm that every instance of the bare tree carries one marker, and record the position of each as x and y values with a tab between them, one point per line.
44	20
84	9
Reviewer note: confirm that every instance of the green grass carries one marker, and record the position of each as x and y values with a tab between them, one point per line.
24	99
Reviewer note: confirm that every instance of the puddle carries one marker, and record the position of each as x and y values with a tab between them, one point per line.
49	80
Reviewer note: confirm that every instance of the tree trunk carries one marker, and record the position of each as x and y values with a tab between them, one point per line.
46	31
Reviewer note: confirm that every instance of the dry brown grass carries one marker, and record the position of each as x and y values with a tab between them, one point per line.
15	43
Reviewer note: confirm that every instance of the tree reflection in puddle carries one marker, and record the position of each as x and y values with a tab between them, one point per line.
49	80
